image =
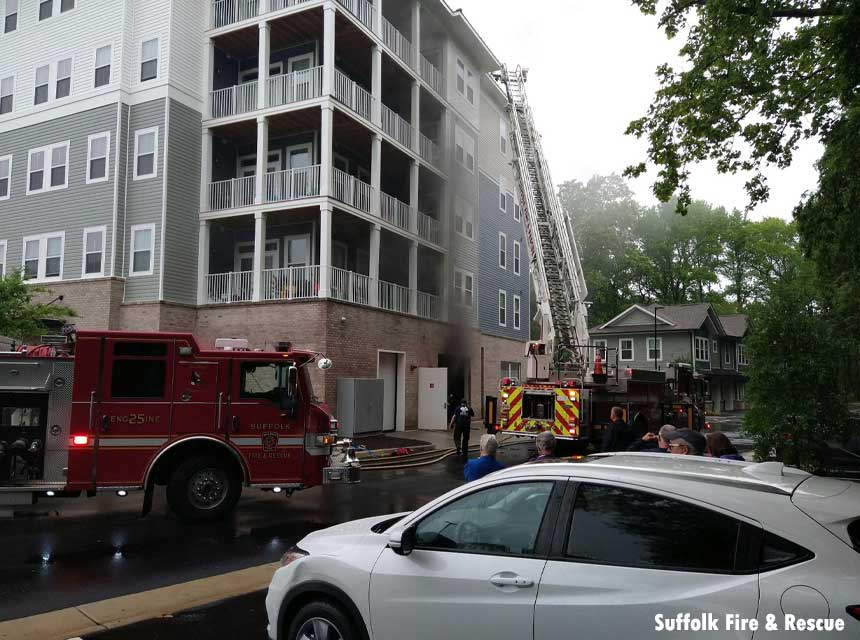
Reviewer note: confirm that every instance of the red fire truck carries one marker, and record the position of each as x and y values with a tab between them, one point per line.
119	412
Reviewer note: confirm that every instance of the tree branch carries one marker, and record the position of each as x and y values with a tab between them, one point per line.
788	12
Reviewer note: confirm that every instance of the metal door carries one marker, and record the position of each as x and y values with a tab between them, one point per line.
388	374
432	398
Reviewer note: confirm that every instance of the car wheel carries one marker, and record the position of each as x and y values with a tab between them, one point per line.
203	488
322	620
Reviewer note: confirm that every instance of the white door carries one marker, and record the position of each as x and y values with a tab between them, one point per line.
248	164
432	398
633	554
299	67
388	374
474	572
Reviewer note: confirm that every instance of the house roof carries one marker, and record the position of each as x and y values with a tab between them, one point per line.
681	317
735	325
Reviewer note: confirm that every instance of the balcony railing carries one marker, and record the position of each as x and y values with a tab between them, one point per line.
352	95
277	5
429	306
293	184
394	211
350	286
429	150
235	100
232	194
397	42
297	86
227	288
350	190
291	283
393	297
362	10
429	228
226	12
431	75
397	127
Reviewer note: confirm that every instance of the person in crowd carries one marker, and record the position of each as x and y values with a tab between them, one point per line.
619	435
462	423
487	463
719	446
653	442
686	442
545	443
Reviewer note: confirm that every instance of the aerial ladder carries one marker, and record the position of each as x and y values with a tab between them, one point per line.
555	265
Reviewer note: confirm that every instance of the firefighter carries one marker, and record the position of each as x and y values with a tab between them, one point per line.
461	421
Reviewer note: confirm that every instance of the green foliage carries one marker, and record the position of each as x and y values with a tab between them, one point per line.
21	317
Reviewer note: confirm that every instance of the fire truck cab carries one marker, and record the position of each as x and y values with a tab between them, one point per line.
121	411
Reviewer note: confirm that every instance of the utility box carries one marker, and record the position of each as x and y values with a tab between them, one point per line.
360	405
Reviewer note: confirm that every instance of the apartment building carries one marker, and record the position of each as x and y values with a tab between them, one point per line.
166	178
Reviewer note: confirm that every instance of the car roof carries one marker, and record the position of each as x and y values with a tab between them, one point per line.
660	470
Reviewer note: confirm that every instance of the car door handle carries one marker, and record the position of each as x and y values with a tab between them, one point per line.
511	580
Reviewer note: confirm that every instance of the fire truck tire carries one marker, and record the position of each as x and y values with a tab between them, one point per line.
321	619
205	487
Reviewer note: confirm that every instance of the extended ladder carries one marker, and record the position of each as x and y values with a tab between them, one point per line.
556	268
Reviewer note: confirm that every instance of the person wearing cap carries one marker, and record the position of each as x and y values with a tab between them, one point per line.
545	443
686	442
653	442
487	463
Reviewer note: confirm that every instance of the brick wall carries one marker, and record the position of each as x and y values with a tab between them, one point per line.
495	351
94	301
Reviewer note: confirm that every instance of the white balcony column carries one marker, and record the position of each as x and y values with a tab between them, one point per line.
326	151
377	19
446	143
263	56
205	169
328	49
262	159
325	250
259	253
376	175
444	280
208	72
416	35
375	235
413	277
445	215
376	85
203	263
416	116
414	174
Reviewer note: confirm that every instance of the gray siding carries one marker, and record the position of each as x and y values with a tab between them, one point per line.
676	346
492	277
71	209
144	200
183	204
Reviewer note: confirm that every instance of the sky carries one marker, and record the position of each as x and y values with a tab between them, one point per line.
591	71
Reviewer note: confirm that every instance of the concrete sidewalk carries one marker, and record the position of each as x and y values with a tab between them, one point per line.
425	440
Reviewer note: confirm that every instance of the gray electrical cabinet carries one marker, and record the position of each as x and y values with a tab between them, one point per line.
359	405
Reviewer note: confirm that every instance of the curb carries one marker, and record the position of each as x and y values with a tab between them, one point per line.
137	607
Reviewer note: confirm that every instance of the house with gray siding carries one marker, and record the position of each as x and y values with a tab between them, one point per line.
691	335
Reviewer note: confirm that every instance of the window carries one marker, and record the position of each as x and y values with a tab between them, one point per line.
517	249
64	78
470	91
43	256
94	251
517	213
40	176
777	552
503	308
98	149
142	243
503	519
509	370
5	177
464	149
517	312
464	216
463	282
600	347
742	355
2	258
503	136
103	60
625	346
263	380
11	21
503	201
7	94
715	346
149	60
42	77
67	5
46	9
139	370
146	153
740	390
503	251
702	350
461	77
618	526
655	353
727	354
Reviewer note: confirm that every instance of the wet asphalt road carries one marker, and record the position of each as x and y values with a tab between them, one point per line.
71	552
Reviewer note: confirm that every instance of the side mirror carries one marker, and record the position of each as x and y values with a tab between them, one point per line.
324	364
290	392
402	541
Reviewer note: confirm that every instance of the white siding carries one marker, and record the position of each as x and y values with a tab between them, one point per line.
186	44
467	111
149	19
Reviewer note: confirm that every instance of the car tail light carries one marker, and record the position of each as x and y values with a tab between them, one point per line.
708	426
80	441
498	428
854	611
326	440
292	554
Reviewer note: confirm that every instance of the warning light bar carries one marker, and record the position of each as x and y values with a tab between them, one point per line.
80	441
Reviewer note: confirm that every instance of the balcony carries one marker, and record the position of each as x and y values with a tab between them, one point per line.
233	101
232	194
393	297
349	286
226	12
350	190
429	151
429	306
353	95
291	283
429	229
362	10
229	288
431	75
293	184
298	86
397	127
394	211
397	42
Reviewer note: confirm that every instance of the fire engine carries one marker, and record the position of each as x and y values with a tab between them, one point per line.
124	411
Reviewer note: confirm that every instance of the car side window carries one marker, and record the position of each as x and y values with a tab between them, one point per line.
777	552
619	526
262	380
503	519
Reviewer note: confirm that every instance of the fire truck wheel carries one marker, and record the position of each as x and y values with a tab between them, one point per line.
321	620
203	488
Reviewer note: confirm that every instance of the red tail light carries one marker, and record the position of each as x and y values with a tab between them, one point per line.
854	611
708	426
80	441
498	428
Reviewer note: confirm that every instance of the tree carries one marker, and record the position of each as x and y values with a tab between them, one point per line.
20	317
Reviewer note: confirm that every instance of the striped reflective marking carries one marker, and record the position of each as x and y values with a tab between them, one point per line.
258	442
131	442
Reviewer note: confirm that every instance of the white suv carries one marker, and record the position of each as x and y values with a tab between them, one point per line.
624	546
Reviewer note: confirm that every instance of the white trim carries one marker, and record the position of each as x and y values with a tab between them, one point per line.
16	13
309	56
253	165
727	353
114	219
279	65
503	251
621	357
400	402
648	342
518	312
103	230
503	198
504	142
8	177
48	167
503	308
715	346
518	214
137	136
109	65
463	274
46	84
518	258
96	136
459	205
3	246
163	240
741	355
246	250
598	343
143	60
14	77
306	146
133	249
57	78
43	255
697	342
39	4
643	310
